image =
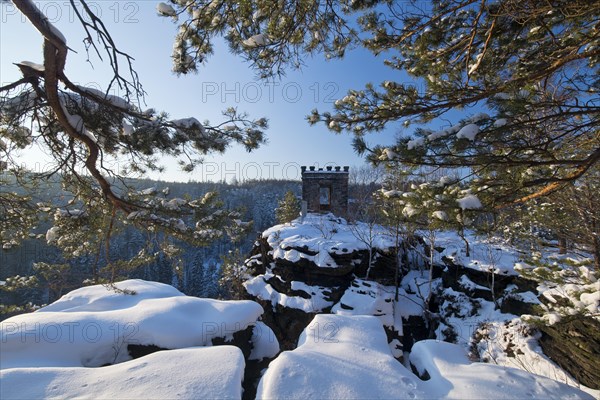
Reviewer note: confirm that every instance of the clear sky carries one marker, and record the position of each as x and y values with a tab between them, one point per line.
225	81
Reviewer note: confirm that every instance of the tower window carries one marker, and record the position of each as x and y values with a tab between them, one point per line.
325	196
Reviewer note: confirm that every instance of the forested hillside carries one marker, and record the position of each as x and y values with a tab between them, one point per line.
198	272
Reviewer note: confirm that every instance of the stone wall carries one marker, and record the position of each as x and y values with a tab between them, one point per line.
326	190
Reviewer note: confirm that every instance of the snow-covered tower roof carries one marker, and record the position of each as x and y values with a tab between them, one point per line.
326	190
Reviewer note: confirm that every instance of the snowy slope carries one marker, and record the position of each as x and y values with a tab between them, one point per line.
513	344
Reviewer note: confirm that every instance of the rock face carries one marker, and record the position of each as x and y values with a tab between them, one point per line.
306	267
292	293
453	273
321	265
574	344
479	284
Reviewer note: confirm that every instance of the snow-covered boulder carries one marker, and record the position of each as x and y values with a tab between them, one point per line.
57	346
339	357
191	373
95	325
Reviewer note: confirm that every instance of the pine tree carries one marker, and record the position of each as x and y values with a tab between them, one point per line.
571	217
18	211
232	275
289	208
581	222
210	280
517	62
524	73
85	129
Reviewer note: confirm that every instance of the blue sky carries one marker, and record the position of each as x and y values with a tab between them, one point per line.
224	81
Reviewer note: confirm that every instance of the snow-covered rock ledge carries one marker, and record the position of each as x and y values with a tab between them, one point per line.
327	245
93	326
192	373
307	264
305	267
56	348
51	353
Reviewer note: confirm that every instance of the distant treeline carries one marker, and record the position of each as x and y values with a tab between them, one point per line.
257	200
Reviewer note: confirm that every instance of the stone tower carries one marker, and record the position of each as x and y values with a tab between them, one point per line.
326	190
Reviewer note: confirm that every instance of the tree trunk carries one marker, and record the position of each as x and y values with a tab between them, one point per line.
431	258
467	247
597	253
461	233
562	244
397	271
370	260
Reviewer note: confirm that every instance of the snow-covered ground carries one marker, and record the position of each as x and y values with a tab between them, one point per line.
512	344
453	376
